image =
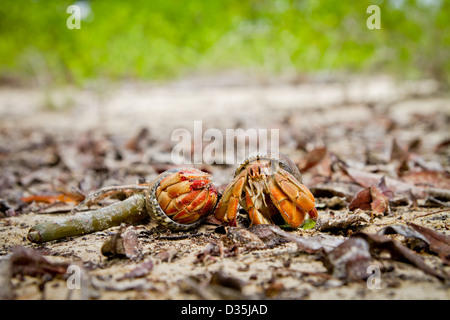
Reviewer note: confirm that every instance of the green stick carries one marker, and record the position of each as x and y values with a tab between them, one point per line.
130	210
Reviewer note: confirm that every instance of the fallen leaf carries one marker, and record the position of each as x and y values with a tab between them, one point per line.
124	243
222	279
368	179
398	252
349	260
380	202
341	223
26	261
427	178
439	243
265	233
308	224
361	201
408	232
331	189
385	189
436	242
63	197
308	244
371	199
244	237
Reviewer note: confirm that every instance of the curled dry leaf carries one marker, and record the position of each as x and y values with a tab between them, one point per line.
436	242
371	198
398	187
349	260
380	202
361	201
398	252
124	243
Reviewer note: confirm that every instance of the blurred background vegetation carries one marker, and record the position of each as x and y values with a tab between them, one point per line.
163	39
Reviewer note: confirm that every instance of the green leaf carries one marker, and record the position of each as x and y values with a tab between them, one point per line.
309	224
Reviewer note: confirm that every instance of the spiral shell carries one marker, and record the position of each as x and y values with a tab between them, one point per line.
277	159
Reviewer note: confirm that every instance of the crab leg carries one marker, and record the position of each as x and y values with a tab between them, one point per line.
227	208
293	199
254	213
292	214
185	196
196	208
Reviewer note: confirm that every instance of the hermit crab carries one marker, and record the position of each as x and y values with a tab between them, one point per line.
178	199
269	187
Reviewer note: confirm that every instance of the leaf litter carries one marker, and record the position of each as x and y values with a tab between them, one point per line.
371	178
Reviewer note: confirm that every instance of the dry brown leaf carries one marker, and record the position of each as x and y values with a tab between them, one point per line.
438	243
341	223
428	178
26	261
398	252
308	244
380	202
435	242
349	260
361	201
124	243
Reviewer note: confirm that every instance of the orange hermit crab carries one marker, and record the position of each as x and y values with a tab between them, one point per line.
180	199
269	188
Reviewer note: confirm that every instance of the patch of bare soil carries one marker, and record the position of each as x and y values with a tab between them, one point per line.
374	152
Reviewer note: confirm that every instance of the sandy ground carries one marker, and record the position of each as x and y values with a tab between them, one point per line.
228	101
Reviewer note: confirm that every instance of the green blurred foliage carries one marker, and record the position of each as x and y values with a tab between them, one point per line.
162	39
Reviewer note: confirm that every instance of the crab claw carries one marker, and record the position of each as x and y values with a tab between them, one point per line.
181	198
292	199
226	210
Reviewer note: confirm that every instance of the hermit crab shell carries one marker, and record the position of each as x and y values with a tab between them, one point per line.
276	159
157	213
